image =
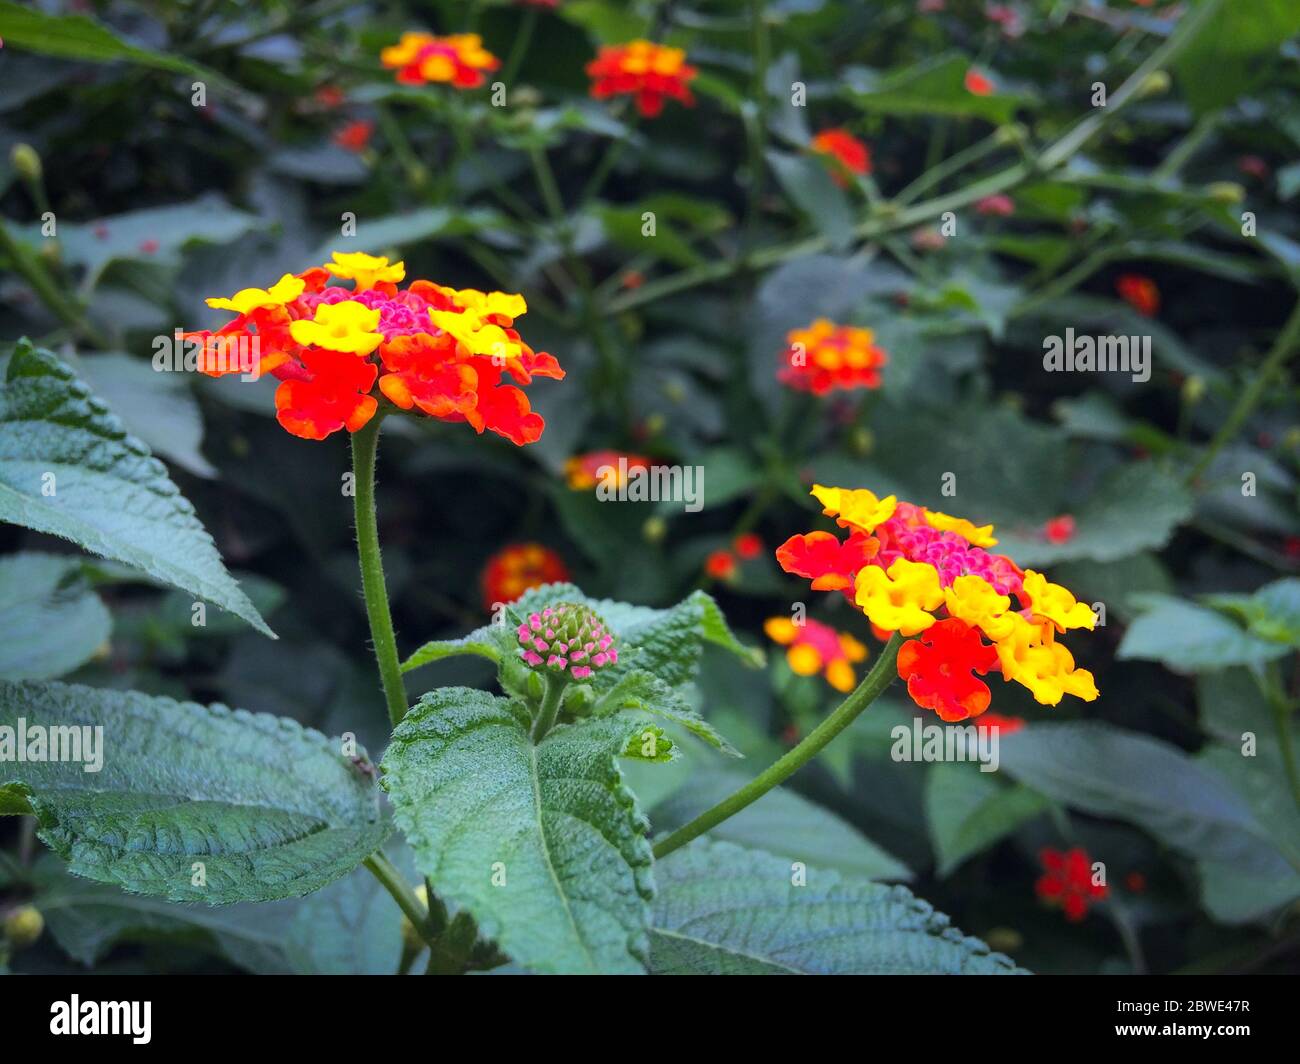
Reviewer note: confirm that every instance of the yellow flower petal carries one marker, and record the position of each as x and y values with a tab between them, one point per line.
981	536
856	508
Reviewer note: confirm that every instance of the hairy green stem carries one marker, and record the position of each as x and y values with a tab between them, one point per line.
551	698
880	677
1253	394
33	271
365	444
391	880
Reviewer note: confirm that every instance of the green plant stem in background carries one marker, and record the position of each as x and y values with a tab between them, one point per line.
523	37
1253	394
33	271
880	677
365	444
889	219
555	684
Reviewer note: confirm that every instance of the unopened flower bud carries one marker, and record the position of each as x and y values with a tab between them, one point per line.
863	441
1227	192
23	926
1193	390
1154	84
567	638
654	530
26	162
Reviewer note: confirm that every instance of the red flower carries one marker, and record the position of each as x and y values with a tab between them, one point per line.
938	669
423	371
355	135
651	72
519	568
1059	529
748	546
333	397
825	357
1139	292
720	564
1004	725
823	559
329	96
1067	882
846	149
978	83
999	206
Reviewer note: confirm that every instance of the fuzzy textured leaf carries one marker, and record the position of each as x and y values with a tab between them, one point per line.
271	809
111	496
724	909
477	801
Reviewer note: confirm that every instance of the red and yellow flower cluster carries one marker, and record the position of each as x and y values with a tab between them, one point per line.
652	73
815	648
459	60
518	568
454	355
585	471
1068	882
825	357
923	573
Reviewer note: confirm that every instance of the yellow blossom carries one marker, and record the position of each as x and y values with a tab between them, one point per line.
973	599
897	599
1031	656
977	536
365	270
1052	602
857	508
285	290
348	326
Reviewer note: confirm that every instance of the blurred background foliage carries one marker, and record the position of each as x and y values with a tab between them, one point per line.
672	344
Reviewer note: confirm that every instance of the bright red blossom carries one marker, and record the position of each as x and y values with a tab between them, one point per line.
1059	529
938	668
748	546
355	135
1139	292
518	568
650	72
846	149
826	357
1067	882
823	559
720	564
979	84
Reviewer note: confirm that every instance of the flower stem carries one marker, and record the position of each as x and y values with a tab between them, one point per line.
550	706
391	880
365	443
1261	384
880	677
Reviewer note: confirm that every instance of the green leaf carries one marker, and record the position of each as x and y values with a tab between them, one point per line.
552	824
1271	613
1234	51
932	87
1107	772
728	910
968	811
643	691
352	927
51	621
156	235
1186	637
782	820
808	183
108	494
378	235
486	642
88	919
79	37
157	407
268	808
1134	508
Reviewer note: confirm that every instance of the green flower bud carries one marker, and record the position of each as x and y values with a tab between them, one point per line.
1193	390
1227	192
1154	84
26	162
23	926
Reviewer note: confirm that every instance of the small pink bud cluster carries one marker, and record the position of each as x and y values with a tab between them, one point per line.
567	637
